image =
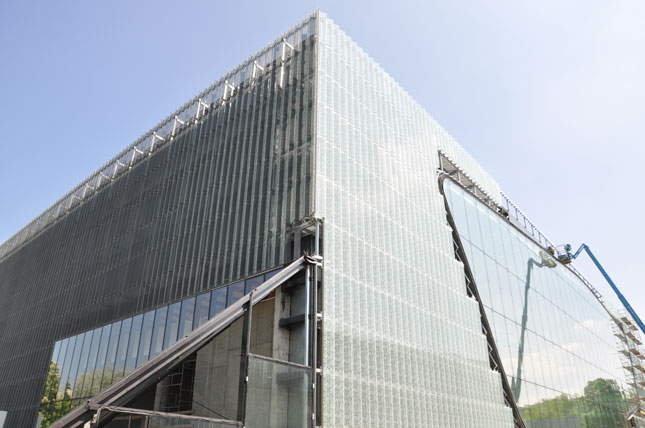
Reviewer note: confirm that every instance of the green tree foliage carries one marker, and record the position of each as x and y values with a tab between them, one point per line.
602	406
54	404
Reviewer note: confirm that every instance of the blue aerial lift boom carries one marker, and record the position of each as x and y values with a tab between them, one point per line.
566	257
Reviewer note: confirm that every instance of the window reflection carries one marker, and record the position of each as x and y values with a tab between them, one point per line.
158	331
202	306
218	301
90	361
146	337
133	344
186	318
85	376
122	350
101	354
172	325
76	359
554	337
235	291
252	283
110	358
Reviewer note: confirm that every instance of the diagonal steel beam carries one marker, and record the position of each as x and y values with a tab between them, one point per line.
158	367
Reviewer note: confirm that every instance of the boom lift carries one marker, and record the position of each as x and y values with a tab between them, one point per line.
566	257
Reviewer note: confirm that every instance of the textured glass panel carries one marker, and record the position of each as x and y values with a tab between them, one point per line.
278	395
186	317
202	306
172	325
218	301
402	343
146	337
158	331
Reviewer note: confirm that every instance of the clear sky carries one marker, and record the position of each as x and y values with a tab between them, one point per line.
549	96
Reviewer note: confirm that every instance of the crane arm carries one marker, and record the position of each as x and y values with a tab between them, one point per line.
622	298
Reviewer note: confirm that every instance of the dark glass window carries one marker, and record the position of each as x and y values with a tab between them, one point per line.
158	331
122	352
86	383
110	357
187	315
271	274
76	360
235	291
133	346
218	301
201	309
64	373
56	351
172	325
100	360
252	283
146	337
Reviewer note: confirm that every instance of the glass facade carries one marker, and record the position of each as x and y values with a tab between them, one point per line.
158	241
402	342
139	340
554	336
204	199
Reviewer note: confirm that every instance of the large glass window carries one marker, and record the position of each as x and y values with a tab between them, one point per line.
101	354
235	292
76	360
90	361
85	376
133	345
172	325
186	317
122	351
110	356
202	306
146	337
218	301
158	331
67	363
252	283
554	337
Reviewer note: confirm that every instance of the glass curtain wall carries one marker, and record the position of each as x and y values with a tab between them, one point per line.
84	364
402	343
554	337
211	204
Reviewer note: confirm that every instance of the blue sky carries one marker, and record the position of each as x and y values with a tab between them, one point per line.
549	96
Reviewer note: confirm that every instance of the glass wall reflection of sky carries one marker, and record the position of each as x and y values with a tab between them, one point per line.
554	337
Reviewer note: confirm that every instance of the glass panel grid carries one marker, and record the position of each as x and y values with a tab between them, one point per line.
555	338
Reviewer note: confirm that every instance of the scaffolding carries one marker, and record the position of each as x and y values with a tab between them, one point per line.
632	354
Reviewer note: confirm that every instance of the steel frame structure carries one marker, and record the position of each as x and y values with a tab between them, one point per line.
112	399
